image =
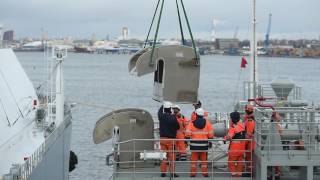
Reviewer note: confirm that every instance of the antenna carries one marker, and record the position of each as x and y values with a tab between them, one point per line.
253	46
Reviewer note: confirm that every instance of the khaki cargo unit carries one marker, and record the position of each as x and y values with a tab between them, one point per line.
176	72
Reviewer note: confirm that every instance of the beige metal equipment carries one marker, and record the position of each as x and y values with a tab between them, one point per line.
176	72
124	125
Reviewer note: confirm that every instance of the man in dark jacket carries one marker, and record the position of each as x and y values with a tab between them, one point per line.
168	130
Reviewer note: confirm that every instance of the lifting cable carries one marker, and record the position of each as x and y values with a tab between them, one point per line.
190	32
151	63
154	15
237	91
156	34
180	24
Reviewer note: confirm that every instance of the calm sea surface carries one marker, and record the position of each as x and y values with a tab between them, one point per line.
101	83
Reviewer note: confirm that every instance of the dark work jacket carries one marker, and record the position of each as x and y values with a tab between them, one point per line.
199	123
168	124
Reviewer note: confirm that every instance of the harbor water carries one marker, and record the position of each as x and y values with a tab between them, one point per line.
100	83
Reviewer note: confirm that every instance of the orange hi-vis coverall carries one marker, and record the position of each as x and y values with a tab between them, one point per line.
181	146
250	124
167	145
194	115
168	126
199	131
236	134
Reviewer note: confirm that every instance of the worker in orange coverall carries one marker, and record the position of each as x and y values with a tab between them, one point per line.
236	136
199	131
249	124
181	147
194	115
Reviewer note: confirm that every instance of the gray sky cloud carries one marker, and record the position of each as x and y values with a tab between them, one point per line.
81	18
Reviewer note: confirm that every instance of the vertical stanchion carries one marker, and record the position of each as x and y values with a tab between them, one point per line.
251	163
173	157
134	159
211	174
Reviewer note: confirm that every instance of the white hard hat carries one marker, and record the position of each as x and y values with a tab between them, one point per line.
200	112
167	104
176	107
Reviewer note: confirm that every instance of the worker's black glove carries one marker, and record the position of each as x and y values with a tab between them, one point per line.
210	144
224	142
187	141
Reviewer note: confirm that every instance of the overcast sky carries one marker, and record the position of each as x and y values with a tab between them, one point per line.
81	18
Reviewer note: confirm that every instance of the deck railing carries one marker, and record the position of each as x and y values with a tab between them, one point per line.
33	161
265	90
128	162
297	131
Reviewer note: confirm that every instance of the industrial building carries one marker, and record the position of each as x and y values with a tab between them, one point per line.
8	36
225	43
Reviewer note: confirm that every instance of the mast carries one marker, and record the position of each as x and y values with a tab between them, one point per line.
59	55
253	57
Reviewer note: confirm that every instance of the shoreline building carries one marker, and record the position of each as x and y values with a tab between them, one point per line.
125	33
229	45
8	36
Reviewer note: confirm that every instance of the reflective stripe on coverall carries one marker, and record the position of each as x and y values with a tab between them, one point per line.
199	148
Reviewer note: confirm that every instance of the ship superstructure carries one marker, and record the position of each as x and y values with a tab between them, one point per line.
35	130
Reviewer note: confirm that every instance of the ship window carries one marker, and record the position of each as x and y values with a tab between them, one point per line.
158	75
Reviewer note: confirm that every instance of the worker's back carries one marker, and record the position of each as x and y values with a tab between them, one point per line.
200	129
168	124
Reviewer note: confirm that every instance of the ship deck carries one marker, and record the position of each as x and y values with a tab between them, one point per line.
183	169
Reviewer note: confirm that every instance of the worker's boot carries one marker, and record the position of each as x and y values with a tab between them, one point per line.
205	175
174	175
178	157
246	174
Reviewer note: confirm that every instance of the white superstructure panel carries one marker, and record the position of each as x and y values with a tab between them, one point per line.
19	136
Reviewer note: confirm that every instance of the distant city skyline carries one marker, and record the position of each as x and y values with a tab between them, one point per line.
292	19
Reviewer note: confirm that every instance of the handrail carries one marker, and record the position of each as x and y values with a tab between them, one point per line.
133	165
297	131
32	162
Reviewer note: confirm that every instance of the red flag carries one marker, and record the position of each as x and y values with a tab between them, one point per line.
243	62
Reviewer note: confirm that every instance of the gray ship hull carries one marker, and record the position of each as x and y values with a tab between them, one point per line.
53	167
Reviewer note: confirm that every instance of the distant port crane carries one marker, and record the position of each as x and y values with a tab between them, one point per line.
266	41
